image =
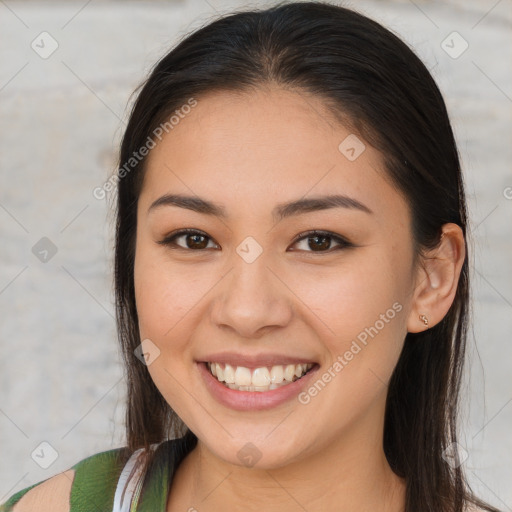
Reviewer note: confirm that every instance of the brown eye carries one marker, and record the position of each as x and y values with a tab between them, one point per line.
315	241
193	240
321	241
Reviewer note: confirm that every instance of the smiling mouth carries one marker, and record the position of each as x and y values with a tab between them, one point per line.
260	379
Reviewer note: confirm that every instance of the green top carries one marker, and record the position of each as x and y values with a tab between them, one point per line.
96	477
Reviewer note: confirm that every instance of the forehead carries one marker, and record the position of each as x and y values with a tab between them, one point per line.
258	148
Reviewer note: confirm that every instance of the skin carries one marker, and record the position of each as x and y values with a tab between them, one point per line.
250	152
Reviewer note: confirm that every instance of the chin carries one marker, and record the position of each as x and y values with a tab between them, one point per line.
258	453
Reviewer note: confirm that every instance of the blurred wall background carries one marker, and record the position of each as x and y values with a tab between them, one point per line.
66	75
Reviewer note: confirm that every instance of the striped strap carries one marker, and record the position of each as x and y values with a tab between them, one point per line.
126	501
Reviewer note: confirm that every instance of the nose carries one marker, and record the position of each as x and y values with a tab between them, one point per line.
252	299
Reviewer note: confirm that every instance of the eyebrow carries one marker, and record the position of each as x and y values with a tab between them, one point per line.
281	211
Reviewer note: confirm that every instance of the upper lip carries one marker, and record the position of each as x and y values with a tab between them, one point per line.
254	361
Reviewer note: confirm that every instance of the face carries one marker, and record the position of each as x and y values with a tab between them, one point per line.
249	287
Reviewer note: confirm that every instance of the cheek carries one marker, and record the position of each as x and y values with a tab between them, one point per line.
358	311
164	293
171	302
352	296
165	300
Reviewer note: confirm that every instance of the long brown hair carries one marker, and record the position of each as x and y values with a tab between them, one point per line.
372	81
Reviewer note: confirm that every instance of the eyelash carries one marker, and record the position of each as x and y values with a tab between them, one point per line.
343	243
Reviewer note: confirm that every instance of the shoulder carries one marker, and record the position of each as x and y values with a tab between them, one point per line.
91	480
50	494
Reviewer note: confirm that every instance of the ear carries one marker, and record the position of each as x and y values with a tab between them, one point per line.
437	278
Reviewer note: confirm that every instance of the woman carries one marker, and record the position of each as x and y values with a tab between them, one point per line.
291	279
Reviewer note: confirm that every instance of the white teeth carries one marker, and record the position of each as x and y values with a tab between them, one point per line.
229	374
220	372
277	374
289	372
242	376
260	379
299	368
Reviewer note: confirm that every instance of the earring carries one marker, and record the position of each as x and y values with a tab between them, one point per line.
424	319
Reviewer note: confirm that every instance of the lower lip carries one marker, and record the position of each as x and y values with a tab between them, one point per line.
253	400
